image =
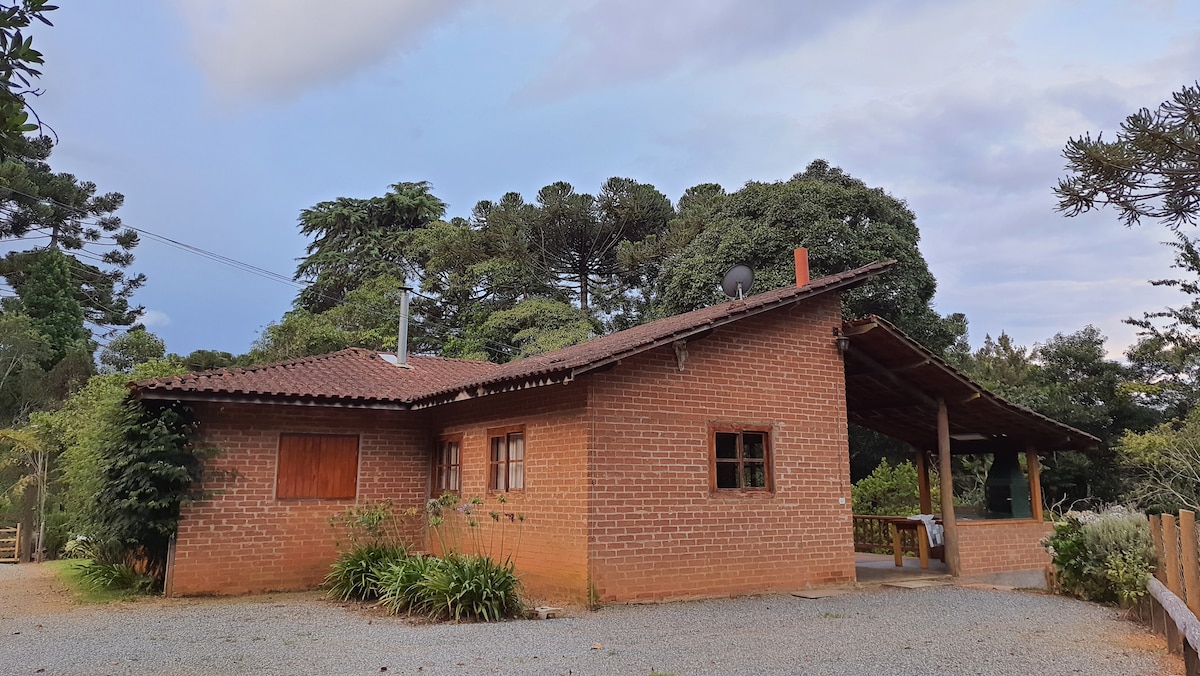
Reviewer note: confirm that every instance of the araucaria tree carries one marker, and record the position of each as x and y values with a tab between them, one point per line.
357	240
1150	170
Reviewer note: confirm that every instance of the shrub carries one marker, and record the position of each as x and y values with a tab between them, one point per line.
116	576
81	547
1106	556
890	490
373	523
401	583
354	573
452	587
145	475
471	587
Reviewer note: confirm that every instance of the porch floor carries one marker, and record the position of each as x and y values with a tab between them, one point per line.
881	568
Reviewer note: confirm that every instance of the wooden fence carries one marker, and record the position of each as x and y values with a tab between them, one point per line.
1175	588
873	534
10	544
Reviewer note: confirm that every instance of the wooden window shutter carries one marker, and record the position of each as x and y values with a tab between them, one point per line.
317	466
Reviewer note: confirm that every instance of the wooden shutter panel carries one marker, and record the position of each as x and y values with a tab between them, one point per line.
317	466
338	477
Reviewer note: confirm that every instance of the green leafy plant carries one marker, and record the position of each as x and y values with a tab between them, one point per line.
890	490
81	547
1105	556
354	573
454	586
374	523
146	475
473	588
117	577
401	583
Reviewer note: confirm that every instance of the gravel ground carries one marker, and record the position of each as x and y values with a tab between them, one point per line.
938	630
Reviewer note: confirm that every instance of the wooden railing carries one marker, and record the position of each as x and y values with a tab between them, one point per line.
1175	594
10	544
873	534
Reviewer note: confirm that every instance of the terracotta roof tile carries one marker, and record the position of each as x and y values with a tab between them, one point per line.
353	373
363	375
639	338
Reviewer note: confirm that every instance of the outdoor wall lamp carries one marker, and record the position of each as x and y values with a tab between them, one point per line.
843	342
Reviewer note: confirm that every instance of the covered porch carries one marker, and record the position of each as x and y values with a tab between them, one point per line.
977	447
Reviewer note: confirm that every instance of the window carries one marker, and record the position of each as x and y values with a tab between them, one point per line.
446	466
317	466
741	460
506	466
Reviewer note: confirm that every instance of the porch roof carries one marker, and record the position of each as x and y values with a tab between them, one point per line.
893	384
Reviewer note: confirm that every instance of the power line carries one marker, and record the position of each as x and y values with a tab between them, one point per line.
512	350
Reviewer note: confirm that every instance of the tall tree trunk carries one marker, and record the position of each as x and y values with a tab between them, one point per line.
583	292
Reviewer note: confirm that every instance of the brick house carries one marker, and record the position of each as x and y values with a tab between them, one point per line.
704	454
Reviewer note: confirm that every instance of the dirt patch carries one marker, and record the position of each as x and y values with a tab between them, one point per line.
1140	639
31	589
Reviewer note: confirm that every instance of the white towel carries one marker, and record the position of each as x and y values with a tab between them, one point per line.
932	529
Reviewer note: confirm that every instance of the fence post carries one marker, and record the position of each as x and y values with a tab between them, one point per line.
1157	622
1156	535
1191	559
1173	580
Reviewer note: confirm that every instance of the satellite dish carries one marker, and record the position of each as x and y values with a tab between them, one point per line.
738	281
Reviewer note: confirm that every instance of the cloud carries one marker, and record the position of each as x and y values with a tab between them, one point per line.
957	111
620	41
278	49
153	319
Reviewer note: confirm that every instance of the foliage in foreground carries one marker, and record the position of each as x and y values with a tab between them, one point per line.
454	587
147	474
70	574
1163	465
891	490
354	573
1106	556
378	564
116	577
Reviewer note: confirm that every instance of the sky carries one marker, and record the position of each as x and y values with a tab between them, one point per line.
220	120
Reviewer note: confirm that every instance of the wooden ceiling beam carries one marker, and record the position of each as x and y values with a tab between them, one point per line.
891	377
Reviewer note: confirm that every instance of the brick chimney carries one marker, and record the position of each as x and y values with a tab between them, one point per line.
801	266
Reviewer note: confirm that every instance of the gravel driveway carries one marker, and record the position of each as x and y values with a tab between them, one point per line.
938	630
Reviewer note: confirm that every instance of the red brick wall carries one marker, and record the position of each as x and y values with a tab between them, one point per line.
245	540
617	500
551	552
657	530
1001	546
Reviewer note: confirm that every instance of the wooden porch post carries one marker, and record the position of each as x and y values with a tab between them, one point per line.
923	481
1033	465
950	528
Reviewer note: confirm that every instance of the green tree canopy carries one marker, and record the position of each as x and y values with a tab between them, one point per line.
1164	465
18	67
47	296
357	240
1150	170
1071	379
840	220
130	349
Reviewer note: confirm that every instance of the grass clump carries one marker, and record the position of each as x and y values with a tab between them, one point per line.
354	575
454	586
73	574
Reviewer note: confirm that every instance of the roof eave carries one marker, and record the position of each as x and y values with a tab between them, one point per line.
492	387
269	399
